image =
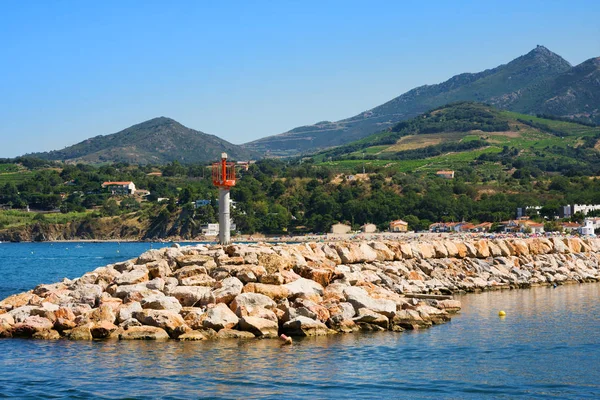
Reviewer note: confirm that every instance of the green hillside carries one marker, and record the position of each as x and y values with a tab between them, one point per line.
157	141
574	93
472	134
539	82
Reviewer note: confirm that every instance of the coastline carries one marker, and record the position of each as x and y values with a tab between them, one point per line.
300	289
322	238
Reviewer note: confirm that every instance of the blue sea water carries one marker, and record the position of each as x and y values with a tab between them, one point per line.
546	347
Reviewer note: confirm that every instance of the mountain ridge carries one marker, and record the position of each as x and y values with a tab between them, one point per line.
474	135
155	141
516	85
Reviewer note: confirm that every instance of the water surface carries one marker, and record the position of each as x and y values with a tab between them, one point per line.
546	347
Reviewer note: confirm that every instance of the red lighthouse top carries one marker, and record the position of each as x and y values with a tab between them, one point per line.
223	172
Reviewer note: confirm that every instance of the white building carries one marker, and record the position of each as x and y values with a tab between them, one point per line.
589	226
210	230
569	210
213	229
120	187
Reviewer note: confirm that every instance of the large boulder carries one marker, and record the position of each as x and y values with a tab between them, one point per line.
47	334
383	252
196	259
18	300
190	270
113	302
198	280
245	303
234	334
305	288
451	249
352	253
126	311
62	324
482	248
161	302
520	247
220	317
274	262
19	314
148	256
573	244
87	294
371	317
449	305
102	313
439	250
359	298
144	333
227	289
191	296
275	292
410	319
129	293
171	322
156	284
30	326
7	319
303	326
80	333
137	275
559	246
102	330
159	269
260	327
194	317
192	336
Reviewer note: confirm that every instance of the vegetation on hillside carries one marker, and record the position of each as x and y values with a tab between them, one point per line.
157	141
538	82
477	135
279	197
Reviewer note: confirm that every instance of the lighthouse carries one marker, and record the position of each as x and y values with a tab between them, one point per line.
223	176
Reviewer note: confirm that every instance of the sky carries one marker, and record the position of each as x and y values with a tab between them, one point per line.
71	70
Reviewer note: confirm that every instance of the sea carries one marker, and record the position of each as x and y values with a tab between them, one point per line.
547	346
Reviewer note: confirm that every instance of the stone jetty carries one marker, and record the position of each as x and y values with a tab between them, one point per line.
263	290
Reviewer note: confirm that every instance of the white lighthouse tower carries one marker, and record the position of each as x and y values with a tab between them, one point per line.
223	174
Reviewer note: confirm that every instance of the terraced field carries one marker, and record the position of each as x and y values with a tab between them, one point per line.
442	139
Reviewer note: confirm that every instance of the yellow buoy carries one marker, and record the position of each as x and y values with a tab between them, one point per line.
502	314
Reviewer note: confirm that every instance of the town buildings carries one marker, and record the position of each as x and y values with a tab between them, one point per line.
571	209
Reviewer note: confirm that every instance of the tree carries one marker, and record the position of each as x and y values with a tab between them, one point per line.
186	195
129	204
110	208
277	189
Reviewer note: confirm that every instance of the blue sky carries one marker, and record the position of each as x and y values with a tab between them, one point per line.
71	70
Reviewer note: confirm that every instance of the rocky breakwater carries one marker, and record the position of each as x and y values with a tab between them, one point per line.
260	290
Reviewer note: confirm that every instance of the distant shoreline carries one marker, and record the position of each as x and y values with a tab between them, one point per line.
410	236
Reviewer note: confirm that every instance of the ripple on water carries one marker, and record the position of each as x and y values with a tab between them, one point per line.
546	347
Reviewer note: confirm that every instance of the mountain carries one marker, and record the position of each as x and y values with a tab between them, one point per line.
157	141
463	134
537	82
574	94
